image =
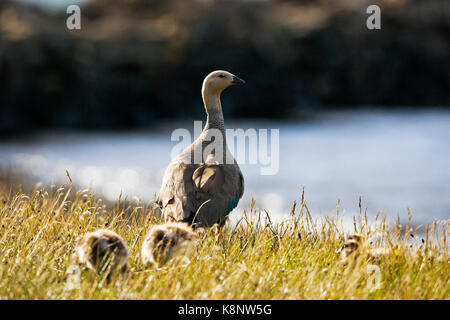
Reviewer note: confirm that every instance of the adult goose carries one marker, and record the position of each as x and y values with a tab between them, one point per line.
203	184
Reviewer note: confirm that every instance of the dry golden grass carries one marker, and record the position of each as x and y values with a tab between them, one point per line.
254	259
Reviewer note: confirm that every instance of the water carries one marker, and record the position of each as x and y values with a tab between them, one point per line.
54	4
394	161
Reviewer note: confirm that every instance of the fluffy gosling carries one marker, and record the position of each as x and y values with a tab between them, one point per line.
356	246
167	241
102	251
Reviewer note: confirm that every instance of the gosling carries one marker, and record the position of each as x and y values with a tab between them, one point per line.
356	246
167	241
102	251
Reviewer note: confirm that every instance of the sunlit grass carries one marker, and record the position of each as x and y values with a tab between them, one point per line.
253	259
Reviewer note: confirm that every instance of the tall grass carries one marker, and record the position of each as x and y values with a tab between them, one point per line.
252	259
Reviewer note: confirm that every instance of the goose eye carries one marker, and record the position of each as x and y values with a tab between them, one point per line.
221	76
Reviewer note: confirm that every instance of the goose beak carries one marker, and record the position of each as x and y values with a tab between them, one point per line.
237	80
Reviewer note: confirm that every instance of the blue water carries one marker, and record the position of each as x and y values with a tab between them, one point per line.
393	160
54	4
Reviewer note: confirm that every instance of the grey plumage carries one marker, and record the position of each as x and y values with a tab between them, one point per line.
204	192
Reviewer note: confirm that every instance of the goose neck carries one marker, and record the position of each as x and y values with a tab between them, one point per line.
214	112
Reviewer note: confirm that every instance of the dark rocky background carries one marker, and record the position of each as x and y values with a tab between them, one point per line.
135	62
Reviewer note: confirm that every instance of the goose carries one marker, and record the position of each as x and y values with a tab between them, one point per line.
202	185
102	251
356	246
351	248
167	241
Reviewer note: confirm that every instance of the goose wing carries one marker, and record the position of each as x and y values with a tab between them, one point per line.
203	194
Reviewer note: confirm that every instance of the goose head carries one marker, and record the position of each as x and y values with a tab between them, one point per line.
352	247
219	80
348	248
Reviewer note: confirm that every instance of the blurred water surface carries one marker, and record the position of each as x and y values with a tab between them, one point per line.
54	4
393	160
